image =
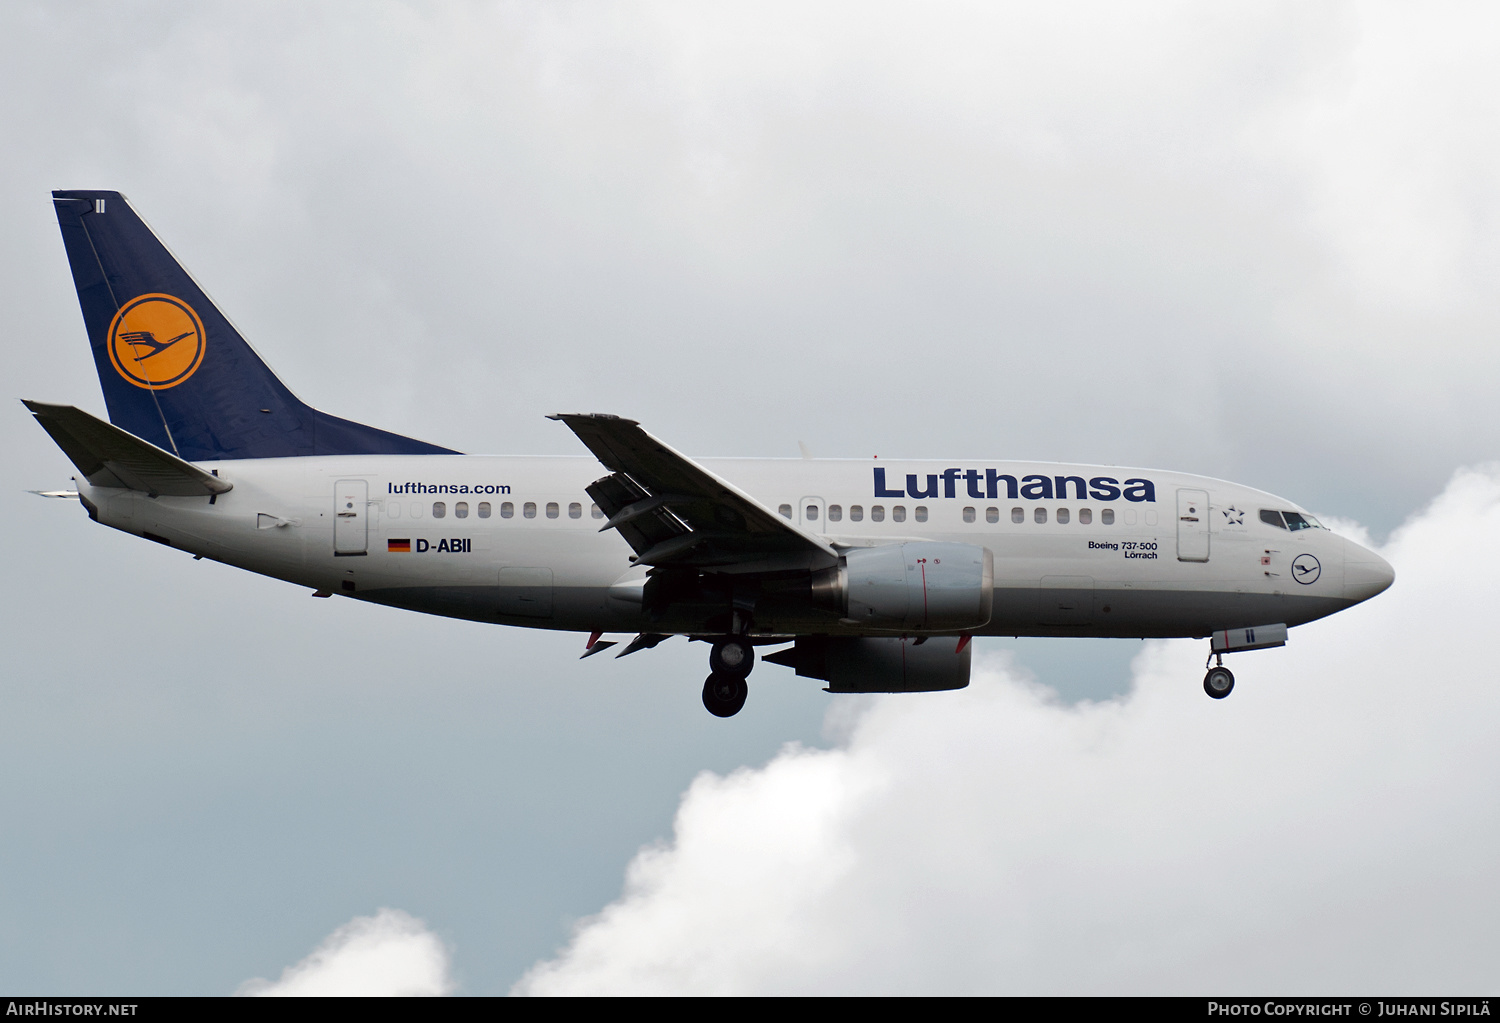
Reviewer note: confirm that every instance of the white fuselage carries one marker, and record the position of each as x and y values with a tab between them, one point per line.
516	540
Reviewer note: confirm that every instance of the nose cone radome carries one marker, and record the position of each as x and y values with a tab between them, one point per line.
1365	573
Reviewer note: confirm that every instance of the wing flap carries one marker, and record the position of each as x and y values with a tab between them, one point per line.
110	457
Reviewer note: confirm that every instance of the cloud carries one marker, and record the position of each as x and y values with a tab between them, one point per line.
1400	184
390	953
1331	826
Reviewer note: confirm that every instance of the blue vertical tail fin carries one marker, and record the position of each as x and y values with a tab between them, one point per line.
174	370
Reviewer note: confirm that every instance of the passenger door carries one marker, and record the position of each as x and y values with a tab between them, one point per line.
1192	525
350	517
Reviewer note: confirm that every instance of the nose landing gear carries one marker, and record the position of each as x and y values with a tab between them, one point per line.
1219	682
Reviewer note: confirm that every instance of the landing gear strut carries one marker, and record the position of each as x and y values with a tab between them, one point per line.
1219	682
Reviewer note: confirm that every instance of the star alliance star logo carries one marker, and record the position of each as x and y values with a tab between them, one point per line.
1233	516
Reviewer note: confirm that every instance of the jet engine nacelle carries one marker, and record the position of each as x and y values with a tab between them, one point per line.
912	587
881	664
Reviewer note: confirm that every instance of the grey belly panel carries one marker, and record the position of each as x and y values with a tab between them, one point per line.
568	608
1151	613
1019	611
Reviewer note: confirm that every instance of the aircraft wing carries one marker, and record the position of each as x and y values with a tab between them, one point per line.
673	511
110	457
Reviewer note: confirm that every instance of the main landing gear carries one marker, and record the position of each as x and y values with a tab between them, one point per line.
1219	682
724	691
724	695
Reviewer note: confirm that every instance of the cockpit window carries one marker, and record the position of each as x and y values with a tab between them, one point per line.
1289	520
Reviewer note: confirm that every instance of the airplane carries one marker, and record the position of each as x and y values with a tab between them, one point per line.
870	576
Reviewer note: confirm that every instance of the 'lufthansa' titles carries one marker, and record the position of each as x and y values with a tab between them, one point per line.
987	484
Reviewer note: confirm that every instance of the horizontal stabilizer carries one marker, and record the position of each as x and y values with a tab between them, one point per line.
109	457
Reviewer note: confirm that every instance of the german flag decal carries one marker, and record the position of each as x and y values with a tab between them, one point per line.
398	546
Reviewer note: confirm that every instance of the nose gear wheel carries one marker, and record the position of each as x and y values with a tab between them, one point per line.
1218	683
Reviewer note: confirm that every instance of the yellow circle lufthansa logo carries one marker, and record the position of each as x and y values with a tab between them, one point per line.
156	341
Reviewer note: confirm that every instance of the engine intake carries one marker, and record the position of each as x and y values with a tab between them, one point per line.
911	587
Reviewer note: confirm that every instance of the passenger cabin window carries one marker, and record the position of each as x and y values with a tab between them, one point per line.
416	510
1062	516
786	511
1040	515
552	509
484	509
507	510
811	512
1085	516
594	512
439	509
835	512
529	509
968	514
1018	515
856	512
877	513
1107	516
898	513
921	512
461	510
992	515
575	510
393	509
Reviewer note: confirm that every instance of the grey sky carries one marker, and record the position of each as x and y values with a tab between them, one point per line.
1255	242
